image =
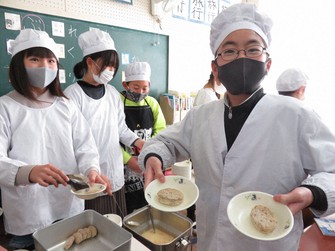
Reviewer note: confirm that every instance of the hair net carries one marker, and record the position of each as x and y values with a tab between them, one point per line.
29	38
138	71
95	41
291	79
237	17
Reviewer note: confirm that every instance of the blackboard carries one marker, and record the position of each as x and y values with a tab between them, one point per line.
131	44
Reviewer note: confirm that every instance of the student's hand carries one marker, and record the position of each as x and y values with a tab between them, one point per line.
2	248
153	170
48	174
95	177
139	144
298	199
133	164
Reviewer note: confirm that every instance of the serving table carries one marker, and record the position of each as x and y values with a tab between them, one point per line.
313	240
137	246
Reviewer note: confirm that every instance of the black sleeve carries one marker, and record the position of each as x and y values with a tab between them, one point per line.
320	199
152	155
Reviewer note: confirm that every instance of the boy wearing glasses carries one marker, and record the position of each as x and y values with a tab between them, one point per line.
249	141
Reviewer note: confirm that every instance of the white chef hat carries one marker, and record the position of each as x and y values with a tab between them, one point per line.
95	41
237	17
291	79
29	38
137	71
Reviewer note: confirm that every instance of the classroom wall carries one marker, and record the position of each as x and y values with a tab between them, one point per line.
189	53
130	43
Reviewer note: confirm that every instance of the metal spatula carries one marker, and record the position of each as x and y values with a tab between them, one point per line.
77	182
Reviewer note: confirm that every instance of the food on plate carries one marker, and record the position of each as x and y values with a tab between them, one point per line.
90	190
89	193
263	219
170	196
80	235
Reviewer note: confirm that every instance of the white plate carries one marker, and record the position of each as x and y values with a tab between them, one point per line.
239	209
184	185
90	193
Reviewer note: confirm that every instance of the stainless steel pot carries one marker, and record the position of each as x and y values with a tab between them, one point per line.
173	224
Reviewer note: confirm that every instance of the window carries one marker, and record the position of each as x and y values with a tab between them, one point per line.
302	36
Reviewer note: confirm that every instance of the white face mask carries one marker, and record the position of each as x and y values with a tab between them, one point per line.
104	77
220	89
41	77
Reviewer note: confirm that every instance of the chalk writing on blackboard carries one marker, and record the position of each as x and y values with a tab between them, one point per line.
72	32
69	51
33	21
71	76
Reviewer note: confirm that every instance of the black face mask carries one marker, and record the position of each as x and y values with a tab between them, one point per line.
134	96
242	76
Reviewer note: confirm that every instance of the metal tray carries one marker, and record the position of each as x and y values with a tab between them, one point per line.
110	235
175	224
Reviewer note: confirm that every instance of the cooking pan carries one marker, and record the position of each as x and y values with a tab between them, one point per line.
172	231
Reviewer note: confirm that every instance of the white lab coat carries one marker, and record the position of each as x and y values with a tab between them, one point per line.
57	134
107	120
204	96
280	143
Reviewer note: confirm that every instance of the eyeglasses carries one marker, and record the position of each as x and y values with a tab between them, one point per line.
250	52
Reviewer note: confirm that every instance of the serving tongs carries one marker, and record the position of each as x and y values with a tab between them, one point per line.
77	181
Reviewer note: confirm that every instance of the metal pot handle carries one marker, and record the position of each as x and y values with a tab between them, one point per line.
185	241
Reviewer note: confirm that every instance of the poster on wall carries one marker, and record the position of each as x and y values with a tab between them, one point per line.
200	11
12	21
211	10
197	10
181	9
